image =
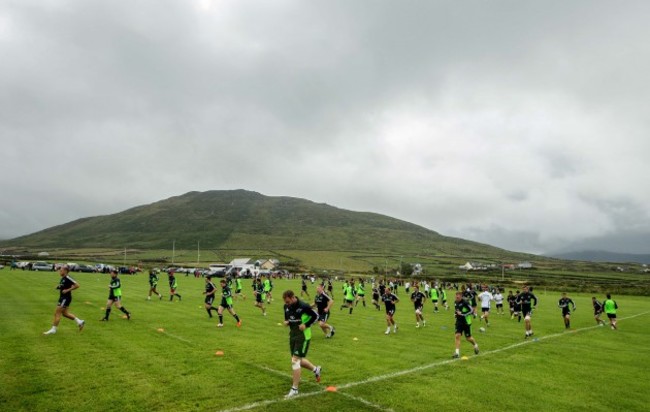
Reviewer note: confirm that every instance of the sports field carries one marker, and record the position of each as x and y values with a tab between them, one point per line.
164	357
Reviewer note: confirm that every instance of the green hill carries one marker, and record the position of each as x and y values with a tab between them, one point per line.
240	219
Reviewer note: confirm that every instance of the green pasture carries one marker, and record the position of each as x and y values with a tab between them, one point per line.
164	357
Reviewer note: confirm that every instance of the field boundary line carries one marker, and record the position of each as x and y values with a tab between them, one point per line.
412	370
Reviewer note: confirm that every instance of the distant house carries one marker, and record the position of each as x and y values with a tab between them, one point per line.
525	265
508	266
466	266
269	264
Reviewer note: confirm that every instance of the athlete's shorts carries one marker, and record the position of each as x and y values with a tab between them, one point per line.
464	329
322	317
390	312
153	285
565	311
238	291
258	297
484	310
611	315
209	299
349	302
115	298
298	345
418	307
499	305
64	301
434	300
225	304
172	291
597	312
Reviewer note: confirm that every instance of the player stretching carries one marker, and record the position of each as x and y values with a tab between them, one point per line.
563	304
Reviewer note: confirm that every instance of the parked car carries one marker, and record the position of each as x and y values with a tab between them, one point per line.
42	266
84	268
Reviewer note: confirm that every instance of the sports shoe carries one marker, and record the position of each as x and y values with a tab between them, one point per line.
417	325
476	350
388	331
239	324
292	392
220	325
395	329
128	316
332	332
455	356
424	323
317	370
103	320
50	332
81	325
159	297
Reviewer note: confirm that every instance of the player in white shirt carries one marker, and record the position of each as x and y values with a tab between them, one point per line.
498	298
485	297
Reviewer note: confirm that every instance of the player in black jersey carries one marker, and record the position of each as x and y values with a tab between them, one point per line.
563	304
525	299
389	300
417	298
153	284
299	316
598	310
375	297
210	292
464	313
66	286
323	304
260	295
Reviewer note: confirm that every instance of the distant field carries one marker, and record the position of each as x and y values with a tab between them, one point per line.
132	366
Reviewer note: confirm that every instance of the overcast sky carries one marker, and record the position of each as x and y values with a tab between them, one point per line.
524	125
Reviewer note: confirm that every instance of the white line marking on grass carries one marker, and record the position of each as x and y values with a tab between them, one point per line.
173	336
408	371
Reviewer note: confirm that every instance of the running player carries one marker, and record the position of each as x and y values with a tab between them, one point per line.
323	304
463	312
610	307
563	304
361	293
485	297
389	302
260	296
349	292
375	297
210	292
598	310
525	299
226	303
330	288
511	303
153	283
434	298
65	287
443	296
303	288
238	289
299	316
173	286
268	287
115	297
417	298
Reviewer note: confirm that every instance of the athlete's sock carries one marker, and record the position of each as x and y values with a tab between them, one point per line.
236	318
457	351
171	298
123	309
209	310
220	318
108	313
179	296
351	310
364	303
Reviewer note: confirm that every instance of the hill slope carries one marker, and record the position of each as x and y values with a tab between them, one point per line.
244	219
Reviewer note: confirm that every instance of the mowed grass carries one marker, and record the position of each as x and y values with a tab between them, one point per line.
131	365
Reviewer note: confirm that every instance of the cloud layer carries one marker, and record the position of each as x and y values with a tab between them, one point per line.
520	125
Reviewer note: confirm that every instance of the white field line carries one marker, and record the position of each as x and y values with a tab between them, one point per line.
408	371
173	336
364	401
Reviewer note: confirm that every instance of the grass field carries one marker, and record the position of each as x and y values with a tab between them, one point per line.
132	366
